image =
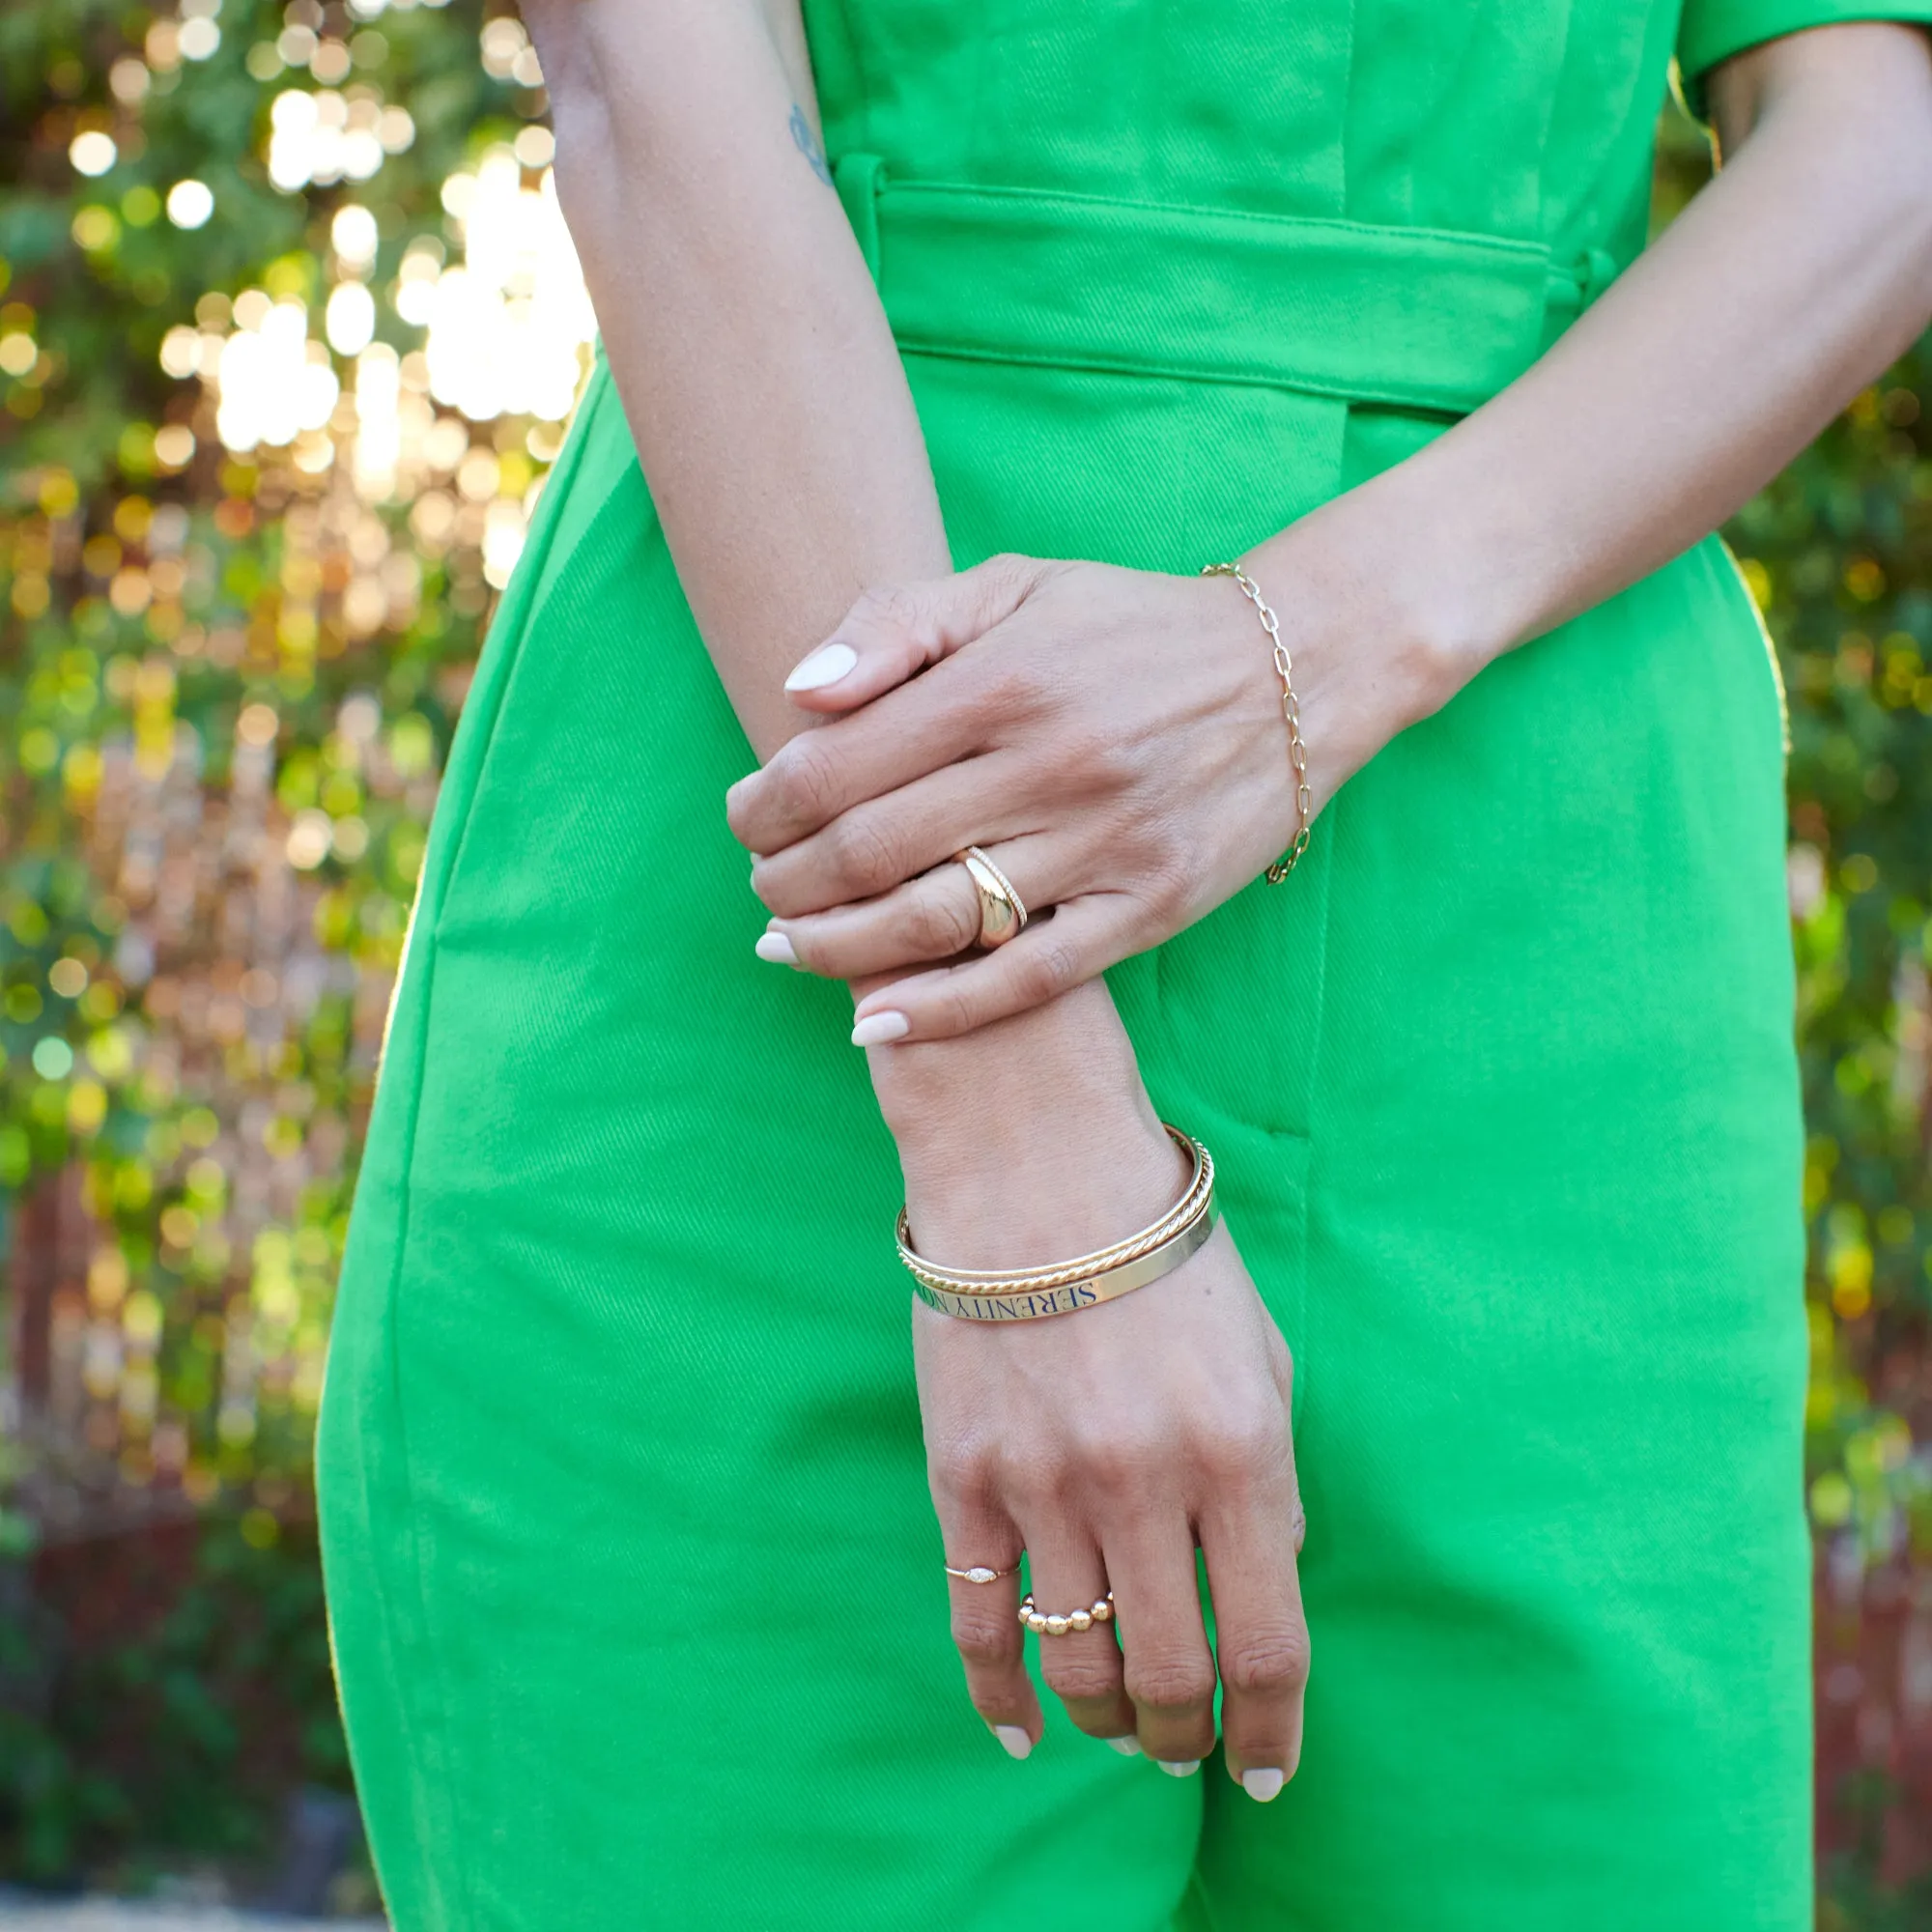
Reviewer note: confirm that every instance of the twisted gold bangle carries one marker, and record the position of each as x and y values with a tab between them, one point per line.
1201	1181
1290	709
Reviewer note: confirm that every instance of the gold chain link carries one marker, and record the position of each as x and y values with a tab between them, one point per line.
1290	709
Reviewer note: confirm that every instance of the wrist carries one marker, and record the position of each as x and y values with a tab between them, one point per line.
1072	1187
1386	566
992	1089
1030	1140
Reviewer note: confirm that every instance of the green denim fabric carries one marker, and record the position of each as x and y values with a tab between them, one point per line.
634	1585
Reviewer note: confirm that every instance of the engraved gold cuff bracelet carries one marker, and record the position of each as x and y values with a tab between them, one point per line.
1031	1294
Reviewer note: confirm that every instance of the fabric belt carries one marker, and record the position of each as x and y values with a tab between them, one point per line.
1408	317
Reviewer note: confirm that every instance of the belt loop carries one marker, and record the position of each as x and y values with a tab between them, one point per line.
858	179
1574	286
1599	270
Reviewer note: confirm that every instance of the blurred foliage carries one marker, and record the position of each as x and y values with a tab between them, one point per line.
228	674
235	626
167	1741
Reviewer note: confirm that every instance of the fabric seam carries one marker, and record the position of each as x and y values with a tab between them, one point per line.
1431	403
445	1800
1523	253
1769	643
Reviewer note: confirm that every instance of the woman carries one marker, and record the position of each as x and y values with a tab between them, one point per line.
638	1607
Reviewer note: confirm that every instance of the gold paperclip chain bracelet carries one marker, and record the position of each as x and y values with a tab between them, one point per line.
1290	709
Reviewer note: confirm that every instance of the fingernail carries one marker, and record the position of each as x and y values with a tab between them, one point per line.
1180	1768
827	665
777	948
1127	1747
1014	1741
876	1029
1263	1787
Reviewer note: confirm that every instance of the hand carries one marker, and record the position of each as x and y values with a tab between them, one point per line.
1107	1444
1114	739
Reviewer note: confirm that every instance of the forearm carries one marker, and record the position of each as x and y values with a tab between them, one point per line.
770	413
1798	274
786	462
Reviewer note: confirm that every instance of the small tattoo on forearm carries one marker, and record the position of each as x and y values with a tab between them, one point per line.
807	144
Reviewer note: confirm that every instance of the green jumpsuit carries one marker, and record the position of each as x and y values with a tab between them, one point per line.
636	1587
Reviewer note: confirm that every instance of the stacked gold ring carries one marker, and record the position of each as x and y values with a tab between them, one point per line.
1030	1294
1100	1612
977	1572
1003	913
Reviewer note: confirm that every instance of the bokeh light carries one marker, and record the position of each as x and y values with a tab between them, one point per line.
190	204
92	153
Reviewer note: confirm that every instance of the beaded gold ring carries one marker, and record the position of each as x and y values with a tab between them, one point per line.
1100	1612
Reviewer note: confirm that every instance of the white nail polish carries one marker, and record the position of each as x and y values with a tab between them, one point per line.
1180	1768
876	1029
827	665
1263	1787
777	948
1012	1739
1127	1747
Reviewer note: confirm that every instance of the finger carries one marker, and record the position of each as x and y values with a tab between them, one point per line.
932	917
985	1616
1081	1662
896	631
1170	1671
813	776
882	842
1249	1535
1080	941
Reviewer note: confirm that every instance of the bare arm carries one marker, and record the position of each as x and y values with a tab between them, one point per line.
1802	272
771	417
754	361
784	460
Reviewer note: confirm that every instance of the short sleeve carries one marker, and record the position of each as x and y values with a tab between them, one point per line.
1711	31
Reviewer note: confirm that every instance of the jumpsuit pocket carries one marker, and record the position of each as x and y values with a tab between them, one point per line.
1732	573
1261	1180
